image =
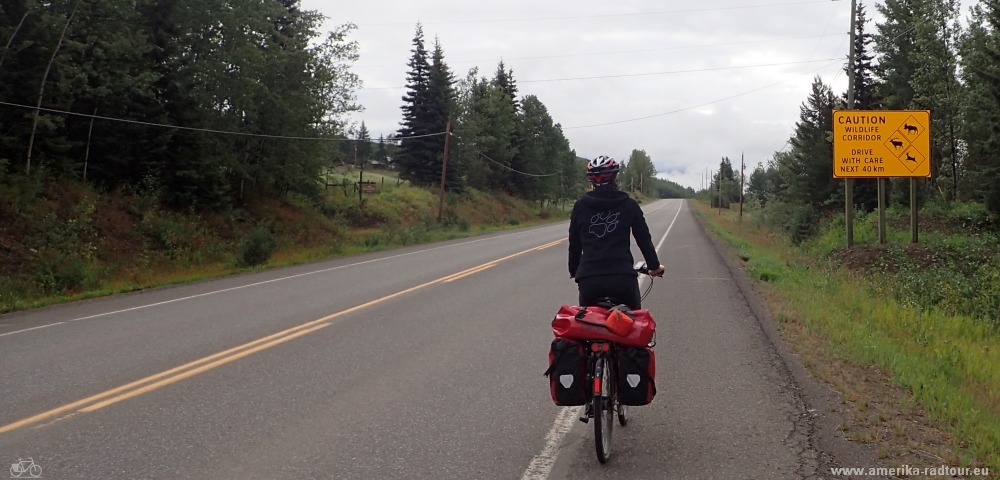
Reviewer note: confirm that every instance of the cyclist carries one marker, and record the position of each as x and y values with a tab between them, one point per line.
600	259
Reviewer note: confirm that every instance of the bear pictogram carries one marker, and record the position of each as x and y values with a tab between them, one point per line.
604	223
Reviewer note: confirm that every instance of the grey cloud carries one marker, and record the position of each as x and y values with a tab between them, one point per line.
682	145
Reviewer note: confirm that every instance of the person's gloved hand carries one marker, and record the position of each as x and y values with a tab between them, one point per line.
658	271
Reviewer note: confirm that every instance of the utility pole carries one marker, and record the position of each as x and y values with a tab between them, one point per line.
444	169
720	190
743	167
849	182
361	175
86	157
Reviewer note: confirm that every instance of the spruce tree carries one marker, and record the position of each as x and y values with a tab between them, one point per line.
504	78
807	171
441	96
504	83
363	142
981	107
935	85
895	43
865	98
381	152
415	157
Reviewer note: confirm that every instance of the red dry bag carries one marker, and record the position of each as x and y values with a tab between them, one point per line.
582	324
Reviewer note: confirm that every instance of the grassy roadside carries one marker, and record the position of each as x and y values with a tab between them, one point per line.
67	242
923	383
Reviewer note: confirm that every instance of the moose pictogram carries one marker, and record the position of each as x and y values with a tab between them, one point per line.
909	158
896	143
910	128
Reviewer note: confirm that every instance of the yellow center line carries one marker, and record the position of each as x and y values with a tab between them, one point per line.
655	209
191	373
187	370
452	279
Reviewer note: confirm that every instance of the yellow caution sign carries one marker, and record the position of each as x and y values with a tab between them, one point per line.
873	143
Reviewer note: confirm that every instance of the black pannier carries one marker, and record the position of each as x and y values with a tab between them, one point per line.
568	373
636	372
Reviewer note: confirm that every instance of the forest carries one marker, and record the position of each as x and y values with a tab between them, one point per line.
919	57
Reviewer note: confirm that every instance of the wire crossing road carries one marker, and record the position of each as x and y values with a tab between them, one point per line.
424	362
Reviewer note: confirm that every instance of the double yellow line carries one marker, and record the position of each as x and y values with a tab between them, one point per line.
191	369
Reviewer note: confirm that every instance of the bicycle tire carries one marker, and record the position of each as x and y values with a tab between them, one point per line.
622	413
604	413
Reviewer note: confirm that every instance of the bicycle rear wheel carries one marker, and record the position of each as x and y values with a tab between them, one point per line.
604	411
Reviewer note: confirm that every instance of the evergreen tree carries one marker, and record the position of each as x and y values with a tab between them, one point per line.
981	106
441	96
639	173
895	43
865	80
381	151
253	70
416	156
515	183
935	86
865	98
762	183
807	172
363	142
485	130
427	108
504	79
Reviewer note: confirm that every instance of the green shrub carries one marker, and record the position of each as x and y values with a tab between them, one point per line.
453	219
257	248
513	221
57	273
798	221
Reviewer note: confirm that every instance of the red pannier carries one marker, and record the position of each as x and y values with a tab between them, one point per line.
582	324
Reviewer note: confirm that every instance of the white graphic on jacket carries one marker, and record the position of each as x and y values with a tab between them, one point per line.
603	224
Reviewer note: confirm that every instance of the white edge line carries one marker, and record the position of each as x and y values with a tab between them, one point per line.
32	328
541	466
658	245
270	281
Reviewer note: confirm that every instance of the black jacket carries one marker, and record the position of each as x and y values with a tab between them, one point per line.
598	235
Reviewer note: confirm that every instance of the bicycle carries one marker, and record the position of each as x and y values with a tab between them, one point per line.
602	364
22	467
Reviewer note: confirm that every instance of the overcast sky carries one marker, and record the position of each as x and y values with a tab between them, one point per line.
781	46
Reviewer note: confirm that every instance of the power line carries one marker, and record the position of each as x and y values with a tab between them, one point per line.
645	74
645	50
679	71
578	17
699	105
498	163
206	130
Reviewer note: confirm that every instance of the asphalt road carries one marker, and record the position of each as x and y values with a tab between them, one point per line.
381	366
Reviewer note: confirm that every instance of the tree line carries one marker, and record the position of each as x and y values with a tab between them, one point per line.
254	68
919	57
499	141
225	103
